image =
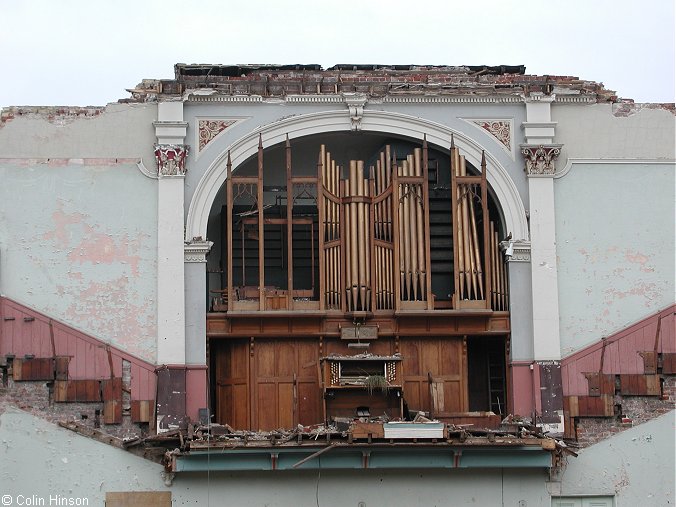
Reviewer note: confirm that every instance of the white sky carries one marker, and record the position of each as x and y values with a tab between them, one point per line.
86	52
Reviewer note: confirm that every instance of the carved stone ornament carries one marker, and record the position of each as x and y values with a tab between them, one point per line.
501	130
355	104
170	159
197	250
540	159
209	129
516	251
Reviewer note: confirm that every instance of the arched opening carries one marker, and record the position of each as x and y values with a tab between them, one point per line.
291	254
282	353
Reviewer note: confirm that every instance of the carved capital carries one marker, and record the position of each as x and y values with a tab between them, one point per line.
170	159
516	251
355	104
540	158
197	250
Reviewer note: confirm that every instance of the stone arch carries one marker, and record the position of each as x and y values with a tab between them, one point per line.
339	120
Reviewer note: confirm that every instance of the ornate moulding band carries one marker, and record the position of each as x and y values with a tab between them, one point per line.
197	250
170	159
540	158
516	251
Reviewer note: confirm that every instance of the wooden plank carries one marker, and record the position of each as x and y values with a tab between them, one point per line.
639	385
77	391
112	389
61	367
139	499
600	383
141	411
669	363
570	406
38	368
112	412
592	406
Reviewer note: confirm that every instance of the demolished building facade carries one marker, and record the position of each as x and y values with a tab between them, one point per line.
441	279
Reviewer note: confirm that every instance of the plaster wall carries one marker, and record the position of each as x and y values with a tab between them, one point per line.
637	466
521	310
78	242
615	247
608	131
74	466
170	274
113	131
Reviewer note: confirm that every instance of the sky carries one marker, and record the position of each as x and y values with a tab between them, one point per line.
87	52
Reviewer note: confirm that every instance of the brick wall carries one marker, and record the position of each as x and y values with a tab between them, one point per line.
37	398
635	409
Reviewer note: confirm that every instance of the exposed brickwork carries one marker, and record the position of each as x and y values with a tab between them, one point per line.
373	80
37	398
638	409
52	114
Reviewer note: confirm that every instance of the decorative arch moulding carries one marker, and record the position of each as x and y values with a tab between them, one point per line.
340	120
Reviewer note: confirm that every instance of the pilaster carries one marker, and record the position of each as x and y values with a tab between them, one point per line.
170	155
540	154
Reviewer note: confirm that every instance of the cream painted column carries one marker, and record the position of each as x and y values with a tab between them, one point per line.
540	155
170	153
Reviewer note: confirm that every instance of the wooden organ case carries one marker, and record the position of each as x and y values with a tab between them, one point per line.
372	260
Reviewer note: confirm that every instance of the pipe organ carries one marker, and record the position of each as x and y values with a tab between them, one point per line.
373	239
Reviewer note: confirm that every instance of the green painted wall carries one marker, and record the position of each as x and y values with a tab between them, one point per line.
615	247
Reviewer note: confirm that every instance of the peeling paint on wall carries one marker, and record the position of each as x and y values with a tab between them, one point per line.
79	243
614	247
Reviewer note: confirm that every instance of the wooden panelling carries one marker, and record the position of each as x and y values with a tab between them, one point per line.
139	499
78	356
600	383
141	411
232	383
77	391
588	406
61	367
275	387
669	363
39	368
649	361
112	389
112	412
434	375
170	398
551	393
279	368
621	352
642	385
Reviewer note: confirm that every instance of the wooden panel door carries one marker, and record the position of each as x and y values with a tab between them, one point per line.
308	394
435	377
232	384
285	384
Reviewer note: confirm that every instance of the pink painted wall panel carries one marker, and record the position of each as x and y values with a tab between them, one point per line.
668	338
522	389
89	356
196	392
621	355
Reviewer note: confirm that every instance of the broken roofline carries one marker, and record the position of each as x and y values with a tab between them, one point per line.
182	69
372	80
